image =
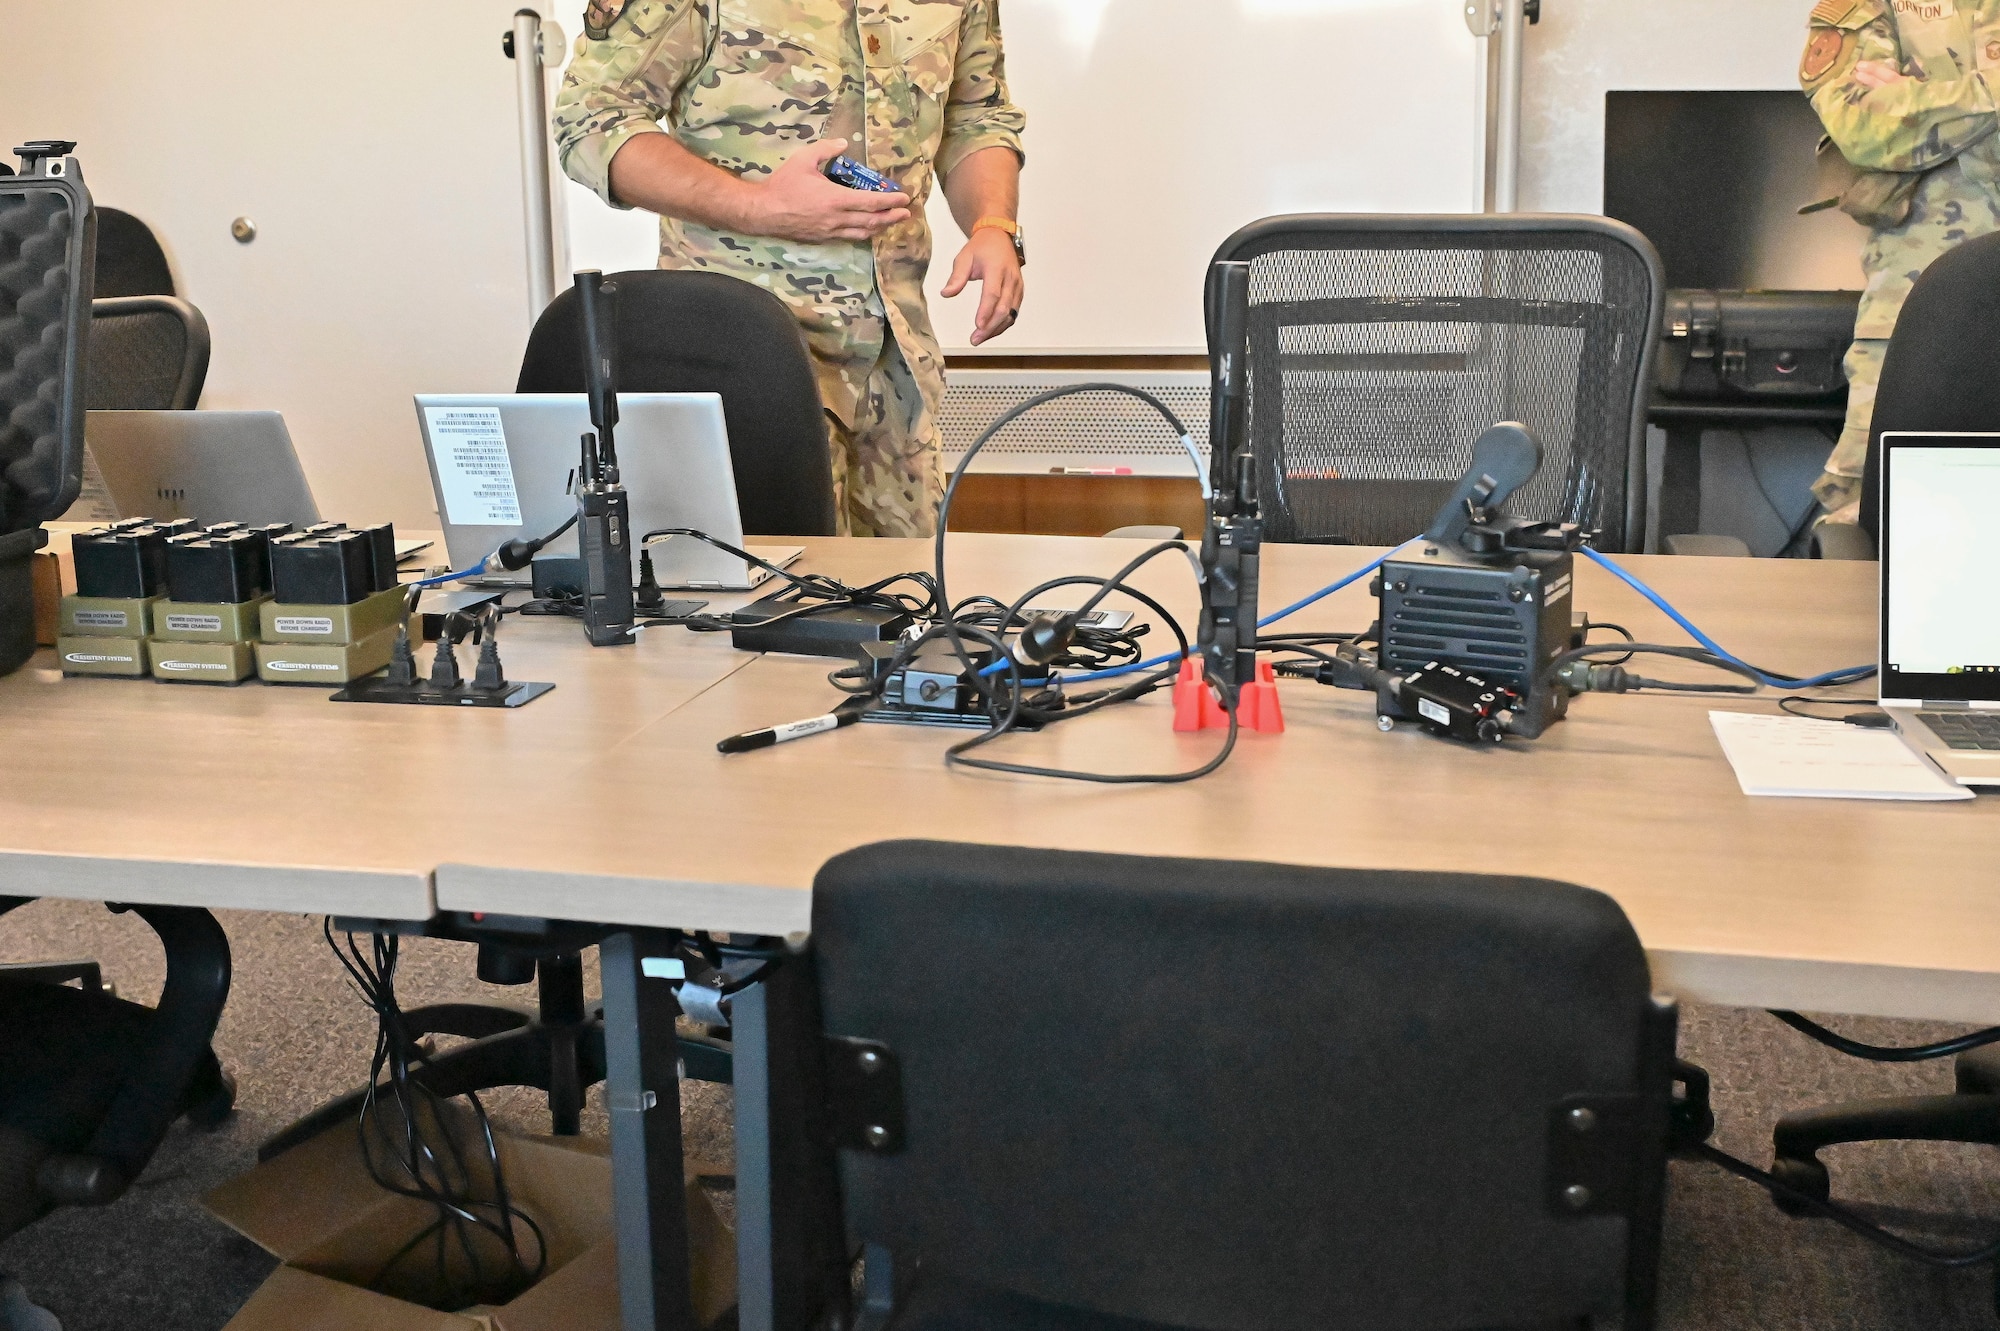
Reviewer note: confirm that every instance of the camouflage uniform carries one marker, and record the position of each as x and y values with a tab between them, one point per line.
1929	164
915	86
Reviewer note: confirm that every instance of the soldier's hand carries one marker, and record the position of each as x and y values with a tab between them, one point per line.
989	259
799	203
1877	74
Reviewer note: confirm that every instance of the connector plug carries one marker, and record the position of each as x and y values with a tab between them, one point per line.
402	659
1583	677
444	665
489	677
649	600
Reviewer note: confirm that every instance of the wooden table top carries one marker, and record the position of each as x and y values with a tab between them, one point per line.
607	801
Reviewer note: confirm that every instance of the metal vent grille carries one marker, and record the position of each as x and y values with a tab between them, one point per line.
1093	431
1477	630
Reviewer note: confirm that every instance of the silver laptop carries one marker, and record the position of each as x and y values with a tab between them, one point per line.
1940	586
504	465
211	466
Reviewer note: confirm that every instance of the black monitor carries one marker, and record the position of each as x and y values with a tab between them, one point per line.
1716	179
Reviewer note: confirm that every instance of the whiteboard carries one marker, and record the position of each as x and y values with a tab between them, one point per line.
1156	128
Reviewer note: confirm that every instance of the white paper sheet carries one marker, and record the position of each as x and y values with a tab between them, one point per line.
475	475
1798	756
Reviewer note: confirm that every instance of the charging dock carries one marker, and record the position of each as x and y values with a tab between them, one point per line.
375	688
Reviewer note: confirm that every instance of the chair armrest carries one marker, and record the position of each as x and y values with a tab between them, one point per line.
1842	540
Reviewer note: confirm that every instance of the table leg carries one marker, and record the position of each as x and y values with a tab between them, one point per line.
790	1246
1680	483
642	1088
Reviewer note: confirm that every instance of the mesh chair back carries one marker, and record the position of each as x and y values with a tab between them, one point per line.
1943	367
1381	346
689	332
1234	1095
147	353
130	261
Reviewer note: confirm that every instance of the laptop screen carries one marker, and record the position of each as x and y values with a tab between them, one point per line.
1940	567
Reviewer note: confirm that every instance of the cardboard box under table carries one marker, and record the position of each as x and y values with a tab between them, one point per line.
316	1208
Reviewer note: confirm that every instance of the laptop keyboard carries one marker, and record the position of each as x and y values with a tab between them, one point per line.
1964	730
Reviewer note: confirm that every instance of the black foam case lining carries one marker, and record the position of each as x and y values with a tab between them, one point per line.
48	235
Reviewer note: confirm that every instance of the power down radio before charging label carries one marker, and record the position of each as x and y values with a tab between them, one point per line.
319	625
194	623
102	619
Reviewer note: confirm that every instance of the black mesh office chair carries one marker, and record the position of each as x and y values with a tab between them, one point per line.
686	332
130	261
147	353
90	1083
1381	346
1942	373
1112	1093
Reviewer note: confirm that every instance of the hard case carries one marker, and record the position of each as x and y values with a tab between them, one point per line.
48	250
1747	346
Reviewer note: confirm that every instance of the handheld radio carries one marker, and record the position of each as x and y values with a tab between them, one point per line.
604	510
1233	540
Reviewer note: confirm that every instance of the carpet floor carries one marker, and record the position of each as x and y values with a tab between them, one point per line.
295	1036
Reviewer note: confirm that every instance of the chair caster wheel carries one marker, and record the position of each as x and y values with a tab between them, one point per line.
1808	1176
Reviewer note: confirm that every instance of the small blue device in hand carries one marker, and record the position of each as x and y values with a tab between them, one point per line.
846	171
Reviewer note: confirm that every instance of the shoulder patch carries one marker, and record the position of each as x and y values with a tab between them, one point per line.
597	19
1826	11
1823	52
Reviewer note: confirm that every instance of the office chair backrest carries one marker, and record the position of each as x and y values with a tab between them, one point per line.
1381	346
1942	371
130	261
1235	1095
147	353
686	332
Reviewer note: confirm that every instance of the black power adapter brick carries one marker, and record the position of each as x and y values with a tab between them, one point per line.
832	630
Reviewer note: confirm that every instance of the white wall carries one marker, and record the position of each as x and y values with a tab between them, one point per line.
374	145
1584	48
372	142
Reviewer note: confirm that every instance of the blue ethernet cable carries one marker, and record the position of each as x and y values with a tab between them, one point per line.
1846	675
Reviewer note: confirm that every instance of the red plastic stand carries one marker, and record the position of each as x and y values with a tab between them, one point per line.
1195	706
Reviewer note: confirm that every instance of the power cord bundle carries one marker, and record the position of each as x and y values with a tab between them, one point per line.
1004	683
817	593
409	1149
1090	647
